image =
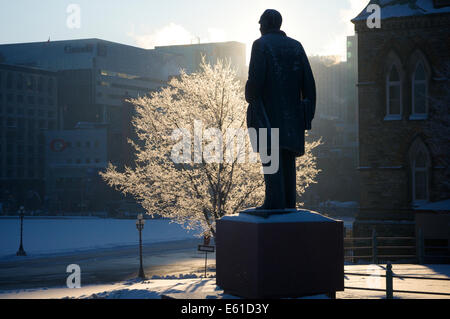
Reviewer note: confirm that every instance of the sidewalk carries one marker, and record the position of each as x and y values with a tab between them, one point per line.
198	288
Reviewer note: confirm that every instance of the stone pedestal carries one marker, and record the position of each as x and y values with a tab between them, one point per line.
280	256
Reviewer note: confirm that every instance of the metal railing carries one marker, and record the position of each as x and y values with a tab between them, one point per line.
390	283
377	251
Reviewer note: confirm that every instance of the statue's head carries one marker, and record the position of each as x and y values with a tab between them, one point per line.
270	20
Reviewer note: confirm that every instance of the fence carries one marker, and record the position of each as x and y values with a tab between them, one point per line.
373	248
390	283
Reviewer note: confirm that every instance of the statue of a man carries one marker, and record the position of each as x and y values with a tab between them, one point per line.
281	92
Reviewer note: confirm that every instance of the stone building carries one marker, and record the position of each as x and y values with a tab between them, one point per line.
403	86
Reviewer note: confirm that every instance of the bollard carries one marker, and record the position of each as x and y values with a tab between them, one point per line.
389	282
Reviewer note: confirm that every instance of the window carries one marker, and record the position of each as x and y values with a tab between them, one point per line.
420	163
20	81
394	94
420	178
419	93
30	83
9	81
40	84
42	124
50	86
10	122
51	125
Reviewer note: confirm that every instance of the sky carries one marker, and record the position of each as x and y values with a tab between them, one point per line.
321	25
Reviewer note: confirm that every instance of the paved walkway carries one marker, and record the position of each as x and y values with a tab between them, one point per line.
429	271
201	288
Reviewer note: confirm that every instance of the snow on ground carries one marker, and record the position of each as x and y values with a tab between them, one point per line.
199	288
42	236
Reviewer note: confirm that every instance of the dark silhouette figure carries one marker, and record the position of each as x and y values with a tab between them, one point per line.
281	93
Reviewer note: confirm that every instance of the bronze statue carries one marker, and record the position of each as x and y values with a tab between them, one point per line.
281	93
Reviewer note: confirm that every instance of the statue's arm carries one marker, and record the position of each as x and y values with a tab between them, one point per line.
256	73
308	84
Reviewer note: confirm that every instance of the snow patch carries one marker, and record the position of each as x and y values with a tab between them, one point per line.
58	236
301	216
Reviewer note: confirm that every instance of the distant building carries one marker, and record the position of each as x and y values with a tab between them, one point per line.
190	55
28	107
335	122
404	98
95	77
73	160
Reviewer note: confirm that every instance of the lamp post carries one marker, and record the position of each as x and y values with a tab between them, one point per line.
140	226
21	251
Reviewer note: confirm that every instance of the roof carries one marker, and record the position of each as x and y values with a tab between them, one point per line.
199	44
402	8
436	206
19	68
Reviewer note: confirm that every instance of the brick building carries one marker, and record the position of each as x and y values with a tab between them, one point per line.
403	86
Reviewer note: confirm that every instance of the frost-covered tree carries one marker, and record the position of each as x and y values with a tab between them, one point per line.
212	180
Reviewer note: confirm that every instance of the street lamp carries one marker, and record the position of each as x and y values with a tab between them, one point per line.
140	226
21	251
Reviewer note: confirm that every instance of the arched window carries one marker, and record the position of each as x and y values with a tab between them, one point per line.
419	92
420	178
393	94
420	163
